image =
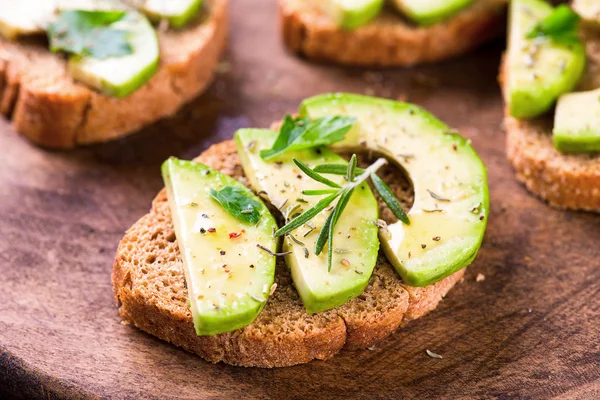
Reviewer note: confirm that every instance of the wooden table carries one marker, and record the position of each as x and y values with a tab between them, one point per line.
531	329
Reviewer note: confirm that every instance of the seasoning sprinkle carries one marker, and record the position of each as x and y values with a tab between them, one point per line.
341	251
234	235
345	262
204	216
257	298
358	272
481	217
251	265
306	253
193	204
222	252
273	288
301	200
434	210
202	231
247	211
260	246
310	225
296	240
308	232
283	203
423	246
432	354
436	238
251	145
212	230
436	196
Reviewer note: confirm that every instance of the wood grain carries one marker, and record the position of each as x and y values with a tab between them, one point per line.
531	329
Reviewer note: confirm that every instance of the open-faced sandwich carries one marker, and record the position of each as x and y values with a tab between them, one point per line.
74	72
210	269
550	77
389	33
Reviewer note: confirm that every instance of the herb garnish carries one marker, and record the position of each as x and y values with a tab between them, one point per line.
344	193
560	25
303	133
89	33
237	202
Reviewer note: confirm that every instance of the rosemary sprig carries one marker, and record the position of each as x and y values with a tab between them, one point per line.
344	193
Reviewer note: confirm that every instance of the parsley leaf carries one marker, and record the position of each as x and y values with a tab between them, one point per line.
237	202
561	24
89	33
304	133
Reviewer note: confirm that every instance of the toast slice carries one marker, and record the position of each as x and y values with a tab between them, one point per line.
389	39
568	181
52	110
149	287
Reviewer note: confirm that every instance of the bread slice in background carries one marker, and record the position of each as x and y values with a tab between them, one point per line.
389	39
569	181
149	287
52	110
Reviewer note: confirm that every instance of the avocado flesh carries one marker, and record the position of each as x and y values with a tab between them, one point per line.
589	10
437	161
355	240
25	17
430	12
121	76
228	278
539	70
577	122
351	14
177	12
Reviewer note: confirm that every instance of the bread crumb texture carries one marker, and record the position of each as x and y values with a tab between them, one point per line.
569	181
52	110
388	40
149	286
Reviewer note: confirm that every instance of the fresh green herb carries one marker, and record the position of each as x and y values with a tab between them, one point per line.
303	133
344	193
89	33
560	25
238	203
388	197
335	169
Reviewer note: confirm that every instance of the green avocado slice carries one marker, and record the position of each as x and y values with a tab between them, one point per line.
121	76
430	12
355	242
178	12
25	17
539	70
450	210
228	277
577	122
351	14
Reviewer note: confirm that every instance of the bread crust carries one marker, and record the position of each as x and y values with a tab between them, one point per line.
283	334
52	110
388	40
565	181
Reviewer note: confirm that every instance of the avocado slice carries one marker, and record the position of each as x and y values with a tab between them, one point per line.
351	14
589	10
539	70
451	203
25	17
355	247
121	76
430	12
228	277
577	122
178	12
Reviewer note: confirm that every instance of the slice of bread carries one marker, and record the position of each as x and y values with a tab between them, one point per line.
52	110
150	291
388	40
569	181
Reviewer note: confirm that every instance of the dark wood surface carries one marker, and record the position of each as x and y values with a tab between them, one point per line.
531	329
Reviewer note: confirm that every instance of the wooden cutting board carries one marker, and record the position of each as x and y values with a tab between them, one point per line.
531	329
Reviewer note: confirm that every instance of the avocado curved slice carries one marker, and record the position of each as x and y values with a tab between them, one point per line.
577	122
430	12
121	76
538	70
451	204
351	14
589	10
228	277
178	12
355	242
